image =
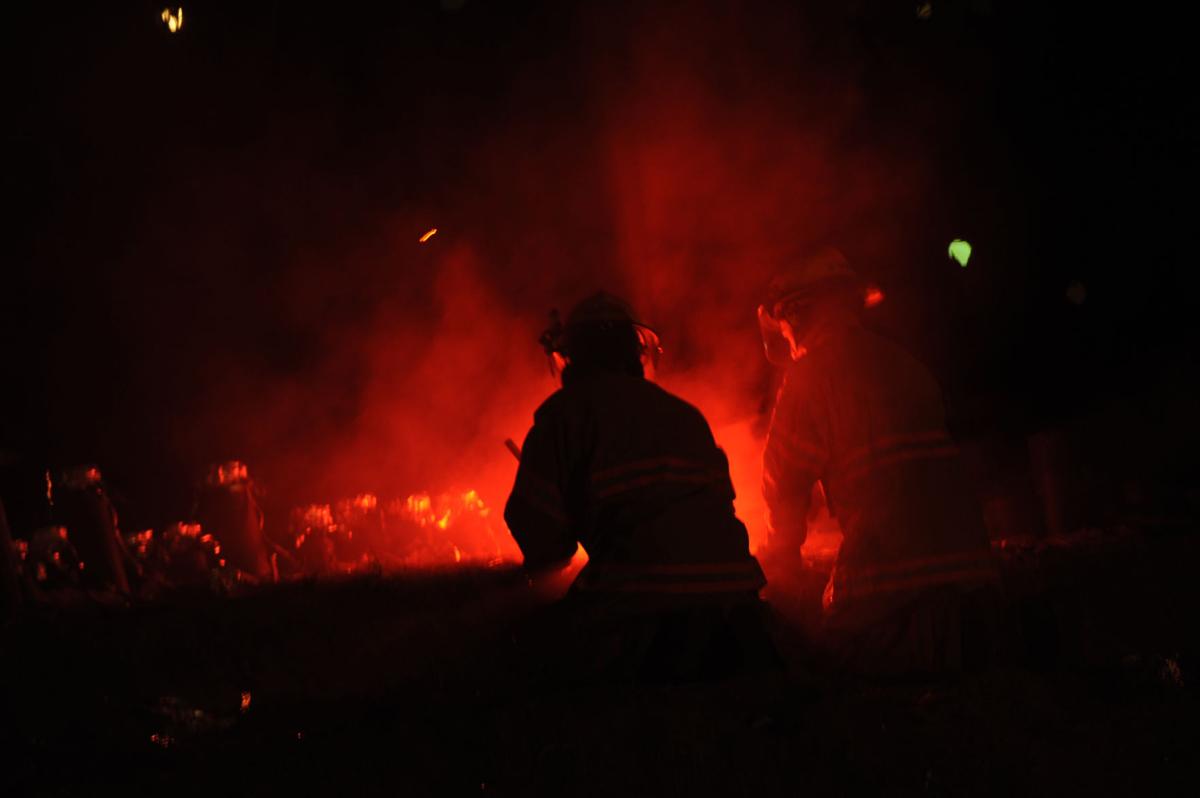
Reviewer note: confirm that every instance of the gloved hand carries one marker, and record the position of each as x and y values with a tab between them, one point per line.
775	345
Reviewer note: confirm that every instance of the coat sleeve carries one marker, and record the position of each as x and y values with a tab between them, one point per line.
536	511
796	456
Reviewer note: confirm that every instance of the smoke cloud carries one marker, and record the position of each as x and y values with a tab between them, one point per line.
271	299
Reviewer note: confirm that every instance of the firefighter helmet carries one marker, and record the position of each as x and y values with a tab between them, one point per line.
598	310
601	308
824	272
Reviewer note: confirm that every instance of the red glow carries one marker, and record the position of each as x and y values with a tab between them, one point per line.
874	297
698	182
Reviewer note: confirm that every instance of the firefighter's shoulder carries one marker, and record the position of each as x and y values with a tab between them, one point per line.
553	407
807	371
568	401
677	406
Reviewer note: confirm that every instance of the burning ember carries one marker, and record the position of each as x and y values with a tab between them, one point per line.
421	529
449	527
173	19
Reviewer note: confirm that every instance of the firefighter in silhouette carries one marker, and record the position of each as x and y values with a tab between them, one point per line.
632	473
912	586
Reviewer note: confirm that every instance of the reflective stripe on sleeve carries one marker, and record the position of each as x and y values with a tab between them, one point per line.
855	582
792	452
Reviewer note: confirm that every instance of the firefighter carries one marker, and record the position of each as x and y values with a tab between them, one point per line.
913	583
632	473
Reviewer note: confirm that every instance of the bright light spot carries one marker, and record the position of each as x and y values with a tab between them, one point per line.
1076	292
457	555
873	297
432	232
960	251
245	700
173	19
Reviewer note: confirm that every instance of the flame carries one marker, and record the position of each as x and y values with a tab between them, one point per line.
874	296
317	515
427	529
174	20
245	701
420	529
185	530
420	509
432	232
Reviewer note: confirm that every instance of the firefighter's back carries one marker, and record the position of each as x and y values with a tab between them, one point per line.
648	484
895	481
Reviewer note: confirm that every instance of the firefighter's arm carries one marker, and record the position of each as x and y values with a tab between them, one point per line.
536	513
795	458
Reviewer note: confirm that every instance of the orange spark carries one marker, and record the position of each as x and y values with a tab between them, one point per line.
432	232
173	19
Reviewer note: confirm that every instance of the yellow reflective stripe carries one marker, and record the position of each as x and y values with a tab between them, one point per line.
680	463
856	588
914	574
921	564
796	451
641	473
651	479
894	449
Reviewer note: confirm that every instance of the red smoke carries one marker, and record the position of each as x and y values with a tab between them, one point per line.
676	158
693	167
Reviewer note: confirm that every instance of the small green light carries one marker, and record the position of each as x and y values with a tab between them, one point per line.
961	251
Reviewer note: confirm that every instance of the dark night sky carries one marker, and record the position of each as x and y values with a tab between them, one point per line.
197	220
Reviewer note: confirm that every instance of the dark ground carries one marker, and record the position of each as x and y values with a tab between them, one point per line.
428	684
